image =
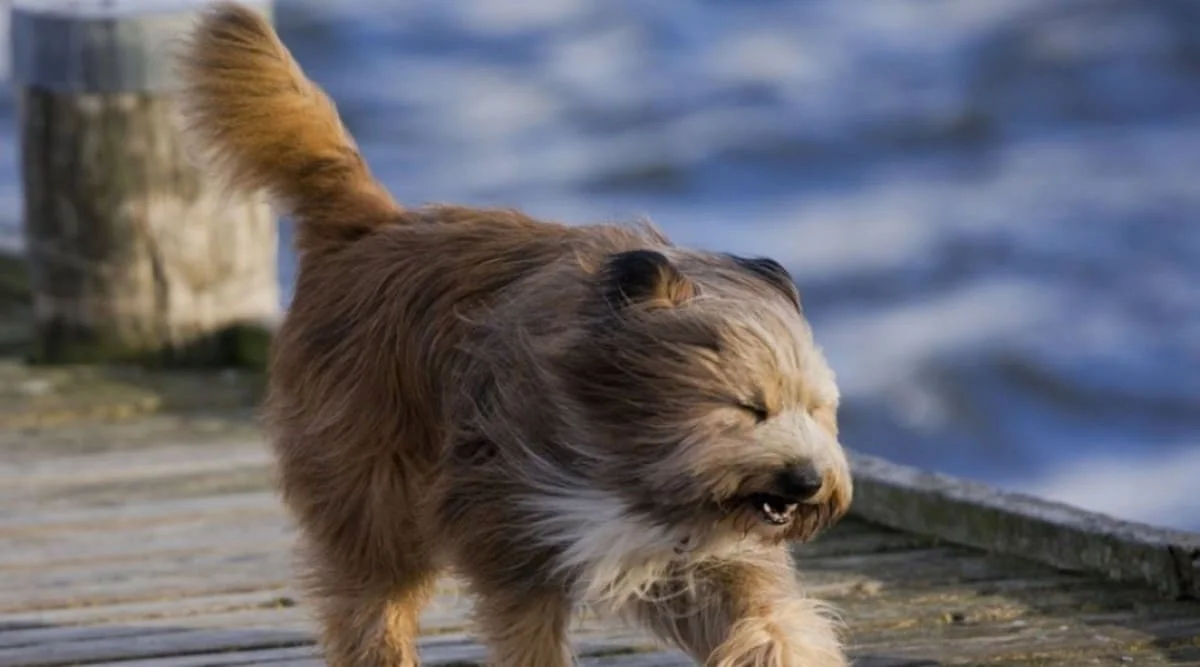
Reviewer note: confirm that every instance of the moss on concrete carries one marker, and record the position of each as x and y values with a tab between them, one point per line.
14	279
15	305
34	396
242	346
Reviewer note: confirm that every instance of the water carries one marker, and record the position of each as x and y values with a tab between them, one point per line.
989	206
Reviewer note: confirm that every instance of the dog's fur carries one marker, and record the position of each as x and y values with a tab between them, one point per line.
562	415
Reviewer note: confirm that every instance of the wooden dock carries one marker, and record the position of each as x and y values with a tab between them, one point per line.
139	527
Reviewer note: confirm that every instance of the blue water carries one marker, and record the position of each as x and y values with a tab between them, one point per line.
990	207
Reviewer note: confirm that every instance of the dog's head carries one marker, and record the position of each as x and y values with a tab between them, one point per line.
701	395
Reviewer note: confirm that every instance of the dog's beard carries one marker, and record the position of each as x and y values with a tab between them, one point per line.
811	521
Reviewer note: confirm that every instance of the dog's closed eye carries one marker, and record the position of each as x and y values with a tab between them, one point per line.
760	413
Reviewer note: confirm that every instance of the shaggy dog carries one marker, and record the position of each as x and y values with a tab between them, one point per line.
563	416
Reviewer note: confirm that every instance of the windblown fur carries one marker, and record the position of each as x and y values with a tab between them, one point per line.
562	415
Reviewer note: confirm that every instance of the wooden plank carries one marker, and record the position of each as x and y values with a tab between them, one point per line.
180	424
439	649
199	535
234	480
259	559
459	653
1028	625
291	618
51	474
174	585
105	519
148	645
444	615
179	609
1016	640
1059	535
294	655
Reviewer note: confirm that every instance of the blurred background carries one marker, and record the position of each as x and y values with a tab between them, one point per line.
990	207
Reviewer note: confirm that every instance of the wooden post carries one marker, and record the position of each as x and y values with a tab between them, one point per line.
134	256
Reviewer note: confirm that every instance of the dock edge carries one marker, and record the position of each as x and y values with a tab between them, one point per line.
976	515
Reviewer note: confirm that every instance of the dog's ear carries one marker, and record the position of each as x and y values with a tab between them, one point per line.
772	272
644	276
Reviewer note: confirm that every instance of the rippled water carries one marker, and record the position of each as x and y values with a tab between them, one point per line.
989	206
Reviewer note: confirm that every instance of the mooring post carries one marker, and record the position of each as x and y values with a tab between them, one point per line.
134	254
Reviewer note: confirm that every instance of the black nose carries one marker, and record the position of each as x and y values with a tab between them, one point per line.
799	482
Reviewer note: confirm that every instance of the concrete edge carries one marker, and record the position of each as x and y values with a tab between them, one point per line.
1065	537
106	47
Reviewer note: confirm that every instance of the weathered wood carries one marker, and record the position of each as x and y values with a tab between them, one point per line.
167	573
171	510
133	255
121	467
134	613
980	516
149	645
75	583
101	46
295	655
163	640
233	480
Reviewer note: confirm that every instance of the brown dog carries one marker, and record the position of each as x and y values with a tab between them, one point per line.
561	415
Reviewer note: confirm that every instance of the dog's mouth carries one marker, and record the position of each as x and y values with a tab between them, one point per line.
771	509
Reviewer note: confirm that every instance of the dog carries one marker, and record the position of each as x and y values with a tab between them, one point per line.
564	416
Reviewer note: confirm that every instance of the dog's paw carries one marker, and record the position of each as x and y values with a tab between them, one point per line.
762	643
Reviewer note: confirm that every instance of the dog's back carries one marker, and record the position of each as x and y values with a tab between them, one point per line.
354	405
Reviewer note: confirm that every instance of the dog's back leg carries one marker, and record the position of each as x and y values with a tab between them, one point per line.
370	568
371	623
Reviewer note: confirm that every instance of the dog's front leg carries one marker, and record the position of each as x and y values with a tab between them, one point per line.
743	612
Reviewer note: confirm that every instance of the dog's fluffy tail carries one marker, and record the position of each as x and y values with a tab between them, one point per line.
248	107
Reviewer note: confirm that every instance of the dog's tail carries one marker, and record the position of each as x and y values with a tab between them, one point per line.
248	107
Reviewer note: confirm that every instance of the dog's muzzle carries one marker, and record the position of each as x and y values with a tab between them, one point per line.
792	486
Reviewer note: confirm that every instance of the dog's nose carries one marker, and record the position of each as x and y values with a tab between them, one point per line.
799	482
